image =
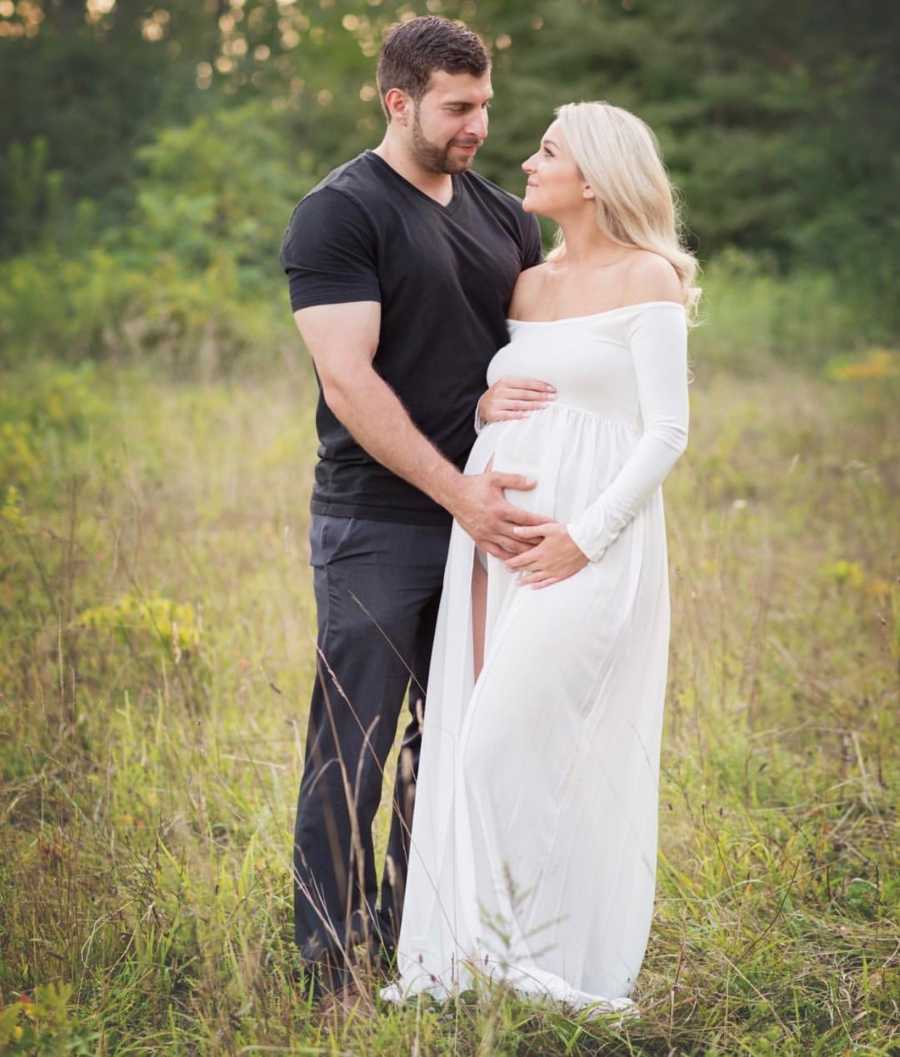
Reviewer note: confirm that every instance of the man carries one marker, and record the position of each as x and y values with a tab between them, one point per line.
401	266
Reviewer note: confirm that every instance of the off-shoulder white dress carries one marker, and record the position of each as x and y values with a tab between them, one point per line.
535	826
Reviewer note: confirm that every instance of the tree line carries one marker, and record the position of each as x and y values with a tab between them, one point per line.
176	135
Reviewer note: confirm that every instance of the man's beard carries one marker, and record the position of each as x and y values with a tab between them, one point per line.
433	158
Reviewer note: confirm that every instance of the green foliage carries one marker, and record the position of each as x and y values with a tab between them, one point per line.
220	188
41	1027
752	316
212	203
195	278
68	306
170	625
93	92
766	115
153	153
42	412
33	194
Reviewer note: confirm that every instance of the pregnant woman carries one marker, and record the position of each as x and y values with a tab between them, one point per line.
535	827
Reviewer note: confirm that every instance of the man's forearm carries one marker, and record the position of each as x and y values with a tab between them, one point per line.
379	423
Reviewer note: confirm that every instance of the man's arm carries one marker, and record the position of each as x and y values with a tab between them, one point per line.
342	340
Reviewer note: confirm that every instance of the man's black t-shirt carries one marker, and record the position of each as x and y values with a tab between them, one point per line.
444	276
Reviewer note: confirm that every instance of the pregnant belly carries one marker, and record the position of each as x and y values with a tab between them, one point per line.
516	447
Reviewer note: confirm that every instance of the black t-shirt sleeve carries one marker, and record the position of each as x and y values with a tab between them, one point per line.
329	252
533	251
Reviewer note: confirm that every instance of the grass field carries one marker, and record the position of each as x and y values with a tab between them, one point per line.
156	655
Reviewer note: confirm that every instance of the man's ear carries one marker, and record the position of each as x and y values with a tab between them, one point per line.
399	105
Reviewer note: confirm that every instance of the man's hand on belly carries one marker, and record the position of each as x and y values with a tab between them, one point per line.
487	515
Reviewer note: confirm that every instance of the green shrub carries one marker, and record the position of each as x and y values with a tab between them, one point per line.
194	279
752	316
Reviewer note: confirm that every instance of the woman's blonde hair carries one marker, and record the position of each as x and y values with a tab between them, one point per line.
619	157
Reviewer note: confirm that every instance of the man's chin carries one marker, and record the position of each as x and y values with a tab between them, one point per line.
455	166
459	161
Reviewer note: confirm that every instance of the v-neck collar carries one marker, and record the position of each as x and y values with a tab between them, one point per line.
454	177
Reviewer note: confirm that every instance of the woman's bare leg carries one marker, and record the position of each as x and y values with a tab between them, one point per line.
479	606
479	602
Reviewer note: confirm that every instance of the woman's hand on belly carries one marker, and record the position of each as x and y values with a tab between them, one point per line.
510	398
555	556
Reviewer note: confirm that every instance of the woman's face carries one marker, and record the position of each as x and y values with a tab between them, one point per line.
555	185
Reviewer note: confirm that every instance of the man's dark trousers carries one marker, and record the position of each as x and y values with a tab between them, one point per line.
378	587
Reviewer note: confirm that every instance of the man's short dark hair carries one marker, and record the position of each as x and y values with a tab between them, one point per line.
413	50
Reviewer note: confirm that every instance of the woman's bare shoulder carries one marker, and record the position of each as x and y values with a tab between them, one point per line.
528	286
649	276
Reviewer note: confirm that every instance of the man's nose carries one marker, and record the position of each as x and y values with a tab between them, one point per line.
477	124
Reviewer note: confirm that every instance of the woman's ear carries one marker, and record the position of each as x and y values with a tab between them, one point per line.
588	192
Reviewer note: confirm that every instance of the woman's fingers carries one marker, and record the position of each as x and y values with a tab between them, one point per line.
528	396
511	404
523	389
526	562
501	409
526	383
515	398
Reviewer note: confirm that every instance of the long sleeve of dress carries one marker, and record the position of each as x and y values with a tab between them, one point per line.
479	421
658	343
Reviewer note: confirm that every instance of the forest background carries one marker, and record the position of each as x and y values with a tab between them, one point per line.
156	451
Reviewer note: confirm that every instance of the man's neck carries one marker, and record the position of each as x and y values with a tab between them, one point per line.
438	186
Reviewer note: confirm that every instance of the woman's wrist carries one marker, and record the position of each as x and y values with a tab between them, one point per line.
479	421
